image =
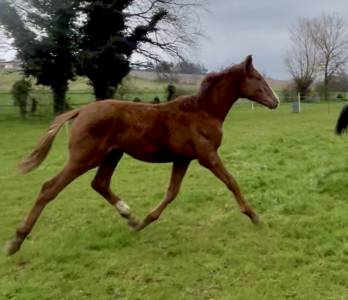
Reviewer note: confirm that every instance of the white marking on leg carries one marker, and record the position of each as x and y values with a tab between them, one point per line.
122	208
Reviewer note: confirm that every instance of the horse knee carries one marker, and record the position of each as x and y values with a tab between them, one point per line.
209	163
173	192
47	193
47	185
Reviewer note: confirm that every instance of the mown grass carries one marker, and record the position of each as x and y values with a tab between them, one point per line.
292	167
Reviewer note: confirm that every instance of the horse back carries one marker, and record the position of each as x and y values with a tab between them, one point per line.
148	132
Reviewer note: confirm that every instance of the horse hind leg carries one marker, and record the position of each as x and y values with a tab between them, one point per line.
101	184
49	191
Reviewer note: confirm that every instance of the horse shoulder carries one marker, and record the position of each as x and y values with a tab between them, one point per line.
208	130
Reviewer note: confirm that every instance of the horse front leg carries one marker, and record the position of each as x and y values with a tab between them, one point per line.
178	172
213	162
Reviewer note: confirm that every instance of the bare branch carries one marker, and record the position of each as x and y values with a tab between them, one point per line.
330	35
175	35
301	58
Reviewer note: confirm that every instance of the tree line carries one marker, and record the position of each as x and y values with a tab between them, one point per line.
183	66
59	40
318	52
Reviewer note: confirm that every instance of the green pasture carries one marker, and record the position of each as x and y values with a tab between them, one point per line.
292	168
80	92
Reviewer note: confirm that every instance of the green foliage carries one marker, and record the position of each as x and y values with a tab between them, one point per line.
341	96
292	169
321	90
183	66
125	87
48	55
289	93
20	93
105	54
79	93
156	100
171	90
187	67
90	38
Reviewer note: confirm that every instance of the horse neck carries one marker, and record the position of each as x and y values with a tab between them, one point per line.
219	100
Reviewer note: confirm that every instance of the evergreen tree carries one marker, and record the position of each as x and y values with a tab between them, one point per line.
107	43
45	42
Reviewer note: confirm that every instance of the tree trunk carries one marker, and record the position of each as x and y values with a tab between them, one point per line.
59	103
102	91
23	107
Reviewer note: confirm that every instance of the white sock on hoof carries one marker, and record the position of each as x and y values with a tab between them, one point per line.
122	208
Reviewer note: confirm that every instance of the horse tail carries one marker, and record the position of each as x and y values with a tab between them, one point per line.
37	156
342	122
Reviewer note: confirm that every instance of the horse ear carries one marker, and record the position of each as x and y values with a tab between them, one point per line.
248	63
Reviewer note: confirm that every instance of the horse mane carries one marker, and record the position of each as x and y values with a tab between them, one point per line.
212	79
189	103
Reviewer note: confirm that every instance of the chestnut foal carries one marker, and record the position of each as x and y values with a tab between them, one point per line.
180	131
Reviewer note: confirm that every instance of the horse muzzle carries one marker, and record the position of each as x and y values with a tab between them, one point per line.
271	104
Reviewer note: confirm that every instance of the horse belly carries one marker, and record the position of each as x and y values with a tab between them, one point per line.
152	141
156	152
154	157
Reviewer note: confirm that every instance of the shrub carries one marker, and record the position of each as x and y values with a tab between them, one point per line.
20	93
341	97
156	100
171	89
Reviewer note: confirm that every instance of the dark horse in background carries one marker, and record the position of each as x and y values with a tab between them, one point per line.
180	131
342	122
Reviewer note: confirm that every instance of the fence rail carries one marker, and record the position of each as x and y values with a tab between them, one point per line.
76	98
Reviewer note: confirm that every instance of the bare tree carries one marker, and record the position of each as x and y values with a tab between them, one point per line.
175	35
301	58
330	36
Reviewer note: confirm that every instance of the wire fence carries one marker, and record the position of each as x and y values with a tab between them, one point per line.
44	102
40	103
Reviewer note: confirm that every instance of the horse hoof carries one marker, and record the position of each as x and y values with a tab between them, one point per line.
133	223
13	247
137	226
253	217
256	220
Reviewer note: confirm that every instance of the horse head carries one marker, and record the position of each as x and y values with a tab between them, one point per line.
254	87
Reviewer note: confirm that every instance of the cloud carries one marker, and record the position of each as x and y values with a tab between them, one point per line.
235	29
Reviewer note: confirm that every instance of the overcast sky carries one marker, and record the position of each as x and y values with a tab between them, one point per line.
236	28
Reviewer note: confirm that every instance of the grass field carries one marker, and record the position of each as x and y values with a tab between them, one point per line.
80	92
291	167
